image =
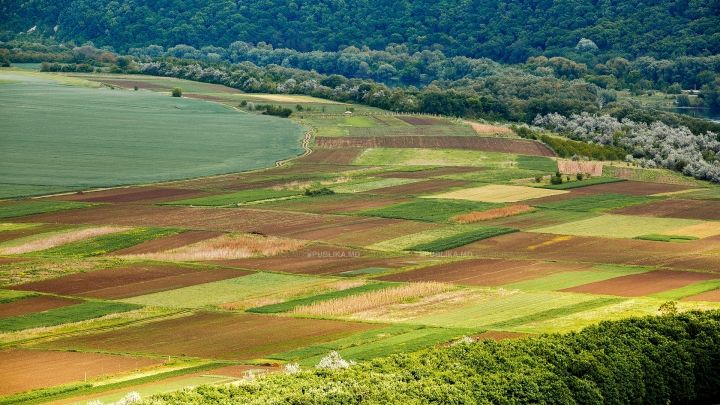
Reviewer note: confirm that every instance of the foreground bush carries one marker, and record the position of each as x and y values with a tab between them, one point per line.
655	360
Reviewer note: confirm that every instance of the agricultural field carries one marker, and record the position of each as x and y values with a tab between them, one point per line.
430	230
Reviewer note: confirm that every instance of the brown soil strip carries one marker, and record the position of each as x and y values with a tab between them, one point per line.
422	120
128	281
426	174
711	296
637	285
207	98
485	272
167	243
22	370
11	260
421	187
331	156
218	336
34	304
127	195
366	233
131	84
516	146
333	204
213	219
675	208
636	188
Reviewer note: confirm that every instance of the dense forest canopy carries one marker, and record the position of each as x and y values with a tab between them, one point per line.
507	31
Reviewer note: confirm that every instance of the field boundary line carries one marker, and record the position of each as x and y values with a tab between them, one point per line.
305	145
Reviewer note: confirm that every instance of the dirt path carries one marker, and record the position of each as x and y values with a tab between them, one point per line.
305	145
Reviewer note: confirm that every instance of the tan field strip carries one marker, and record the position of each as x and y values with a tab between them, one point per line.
701	230
498	193
59	239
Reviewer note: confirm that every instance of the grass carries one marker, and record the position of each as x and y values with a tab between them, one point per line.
514	306
237	198
372	185
423	130
583	183
434	157
496	213
350	341
407	241
429	210
555	313
496	193
617	226
507	176
598	202
39	207
233	246
571	279
461	239
290	305
52	239
219	292
108	243
122	134
16	227
688	291
539	163
667	238
372	300
7	296
59	316
408	342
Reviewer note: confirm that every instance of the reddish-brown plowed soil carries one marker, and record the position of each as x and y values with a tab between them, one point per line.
301	168
10	260
127	195
425	174
333	204
213	219
331	156
421	187
552	198
485	272
636	285
675	208
504	145
131	84
207	98
34	304
530	220
422	121
321	260
218	336
595	250
253	185
711	296
367	233
636	188
128	281
167	243
22	370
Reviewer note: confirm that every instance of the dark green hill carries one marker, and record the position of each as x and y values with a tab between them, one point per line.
509	31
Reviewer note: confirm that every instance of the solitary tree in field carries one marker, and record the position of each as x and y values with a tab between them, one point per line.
177	92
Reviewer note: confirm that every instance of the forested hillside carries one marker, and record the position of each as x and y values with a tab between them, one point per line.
508	31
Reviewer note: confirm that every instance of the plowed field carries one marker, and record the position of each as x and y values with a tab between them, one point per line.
333	203
636	188
367	233
126	195
331	156
520	147
484	272
167	243
422	187
637	285
425	174
675	208
22	370
34	304
422	120
128	281
217	336
712	296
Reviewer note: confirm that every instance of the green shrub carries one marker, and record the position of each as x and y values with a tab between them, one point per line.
318	192
177	92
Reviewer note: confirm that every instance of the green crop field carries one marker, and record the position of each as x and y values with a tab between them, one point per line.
38	207
239	197
407	241
15	227
433	157
571	279
429	210
231	290
429	130
59	316
617	226
106	243
598	202
473	234
583	183
7	296
515	306
127	137
538	163
688	291
361	187
292	304
667	238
